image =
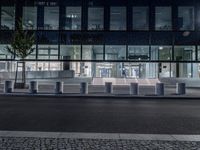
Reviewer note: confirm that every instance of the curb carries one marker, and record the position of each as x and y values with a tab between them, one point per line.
113	136
111	96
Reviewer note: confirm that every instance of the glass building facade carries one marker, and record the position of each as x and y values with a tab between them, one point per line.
115	38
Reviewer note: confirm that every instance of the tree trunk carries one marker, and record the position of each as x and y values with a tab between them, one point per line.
21	84
24	74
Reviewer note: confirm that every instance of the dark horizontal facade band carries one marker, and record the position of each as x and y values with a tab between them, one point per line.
100	61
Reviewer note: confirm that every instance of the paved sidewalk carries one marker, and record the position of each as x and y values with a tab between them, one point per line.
96	141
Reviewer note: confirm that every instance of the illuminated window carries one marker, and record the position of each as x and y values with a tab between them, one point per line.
7	18
95	18
73	18
30	18
118	18
51	18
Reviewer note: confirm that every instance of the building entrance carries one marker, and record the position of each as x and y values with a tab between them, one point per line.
135	70
104	70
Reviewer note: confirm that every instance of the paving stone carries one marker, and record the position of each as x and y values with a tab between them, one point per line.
20	143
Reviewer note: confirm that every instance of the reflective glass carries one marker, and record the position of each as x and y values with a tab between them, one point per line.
95	18
138	52
198	53
118	18
140	18
33	54
7	18
92	52
163	18
182	70
70	52
186	18
184	53
115	52
47	51
4	53
161	52
73	18
51	18
30	18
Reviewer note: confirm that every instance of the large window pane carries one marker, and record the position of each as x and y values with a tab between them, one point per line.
118	18
140	18
182	70
7	18
70	52
4	53
73	18
51	18
95	18
138	52
115	52
33	54
184	53
196	70
186	18
161	52
30	18
198	54
92	52
48	66
163	18
47	51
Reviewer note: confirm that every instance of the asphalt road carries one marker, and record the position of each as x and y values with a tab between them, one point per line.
100	115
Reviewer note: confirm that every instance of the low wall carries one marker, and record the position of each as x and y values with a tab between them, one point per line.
124	81
190	82
39	74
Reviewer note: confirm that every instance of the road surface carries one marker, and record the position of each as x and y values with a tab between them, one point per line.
100	115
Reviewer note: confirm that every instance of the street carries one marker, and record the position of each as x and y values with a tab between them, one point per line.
100	115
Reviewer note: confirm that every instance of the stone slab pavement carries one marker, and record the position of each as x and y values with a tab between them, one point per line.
19	140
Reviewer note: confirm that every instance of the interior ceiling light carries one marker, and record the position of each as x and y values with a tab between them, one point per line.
186	33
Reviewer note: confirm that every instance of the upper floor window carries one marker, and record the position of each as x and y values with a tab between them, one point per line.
138	52
140	18
7	18
30	18
73	18
92	52
161	52
70	52
186	18
184	53
51	18
118	18
4	54
47	51
95	18
163	18
115	52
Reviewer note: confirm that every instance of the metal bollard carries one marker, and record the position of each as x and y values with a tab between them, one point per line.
59	88
159	89
33	87
134	89
108	87
83	88
180	88
8	87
